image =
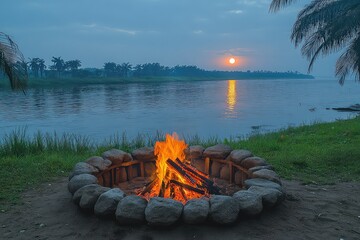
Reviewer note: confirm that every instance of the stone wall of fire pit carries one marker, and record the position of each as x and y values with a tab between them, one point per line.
94	185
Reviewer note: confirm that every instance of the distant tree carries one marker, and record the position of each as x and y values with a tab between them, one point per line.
326	26
110	69
59	65
72	65
34	66
12	62
42	66
126	68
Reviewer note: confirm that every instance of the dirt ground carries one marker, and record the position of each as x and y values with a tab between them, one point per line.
310	212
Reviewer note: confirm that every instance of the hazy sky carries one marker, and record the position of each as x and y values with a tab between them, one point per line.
191	32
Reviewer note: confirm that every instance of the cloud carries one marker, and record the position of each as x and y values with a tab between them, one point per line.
198	31
236	11
97	27
233	51
255	3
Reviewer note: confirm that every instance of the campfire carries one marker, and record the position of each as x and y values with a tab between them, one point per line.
162	184
175	178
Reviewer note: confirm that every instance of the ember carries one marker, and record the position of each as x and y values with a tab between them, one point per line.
175	178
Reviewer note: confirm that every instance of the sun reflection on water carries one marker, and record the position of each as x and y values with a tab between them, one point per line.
231	97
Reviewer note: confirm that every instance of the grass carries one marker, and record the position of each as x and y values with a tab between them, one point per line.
323	153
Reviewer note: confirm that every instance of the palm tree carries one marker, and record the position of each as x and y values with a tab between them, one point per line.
73	65
59	65
34	66
42	66
326	26
12	62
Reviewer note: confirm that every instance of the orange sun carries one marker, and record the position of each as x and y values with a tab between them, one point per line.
232	60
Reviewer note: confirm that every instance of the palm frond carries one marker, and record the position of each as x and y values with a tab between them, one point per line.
349	62
12	62
277	4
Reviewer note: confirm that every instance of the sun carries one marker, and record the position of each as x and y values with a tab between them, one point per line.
232	60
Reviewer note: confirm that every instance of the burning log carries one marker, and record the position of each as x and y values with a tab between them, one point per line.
188	187
180	171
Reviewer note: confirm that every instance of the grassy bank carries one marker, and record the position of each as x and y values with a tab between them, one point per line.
320	153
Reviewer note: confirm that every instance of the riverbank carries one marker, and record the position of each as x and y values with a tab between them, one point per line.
75	82
323	153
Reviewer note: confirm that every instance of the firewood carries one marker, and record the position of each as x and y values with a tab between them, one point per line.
180	171
188	187
149	186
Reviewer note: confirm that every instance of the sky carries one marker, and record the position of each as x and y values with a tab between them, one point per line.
205	33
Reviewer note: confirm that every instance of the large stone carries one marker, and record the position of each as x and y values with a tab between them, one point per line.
117	156
81	180
163	211
99	162
267	174
90	196
195	211
77	195
81	168
238	155
219	151
199	164
262	183
250	203
107	203
144	153
196	151
131	210
252	162
215	169
254	169
270	196
223	209
240	177
225	172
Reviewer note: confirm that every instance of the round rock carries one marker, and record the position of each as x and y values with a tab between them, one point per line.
262	183
238	155
117	156
251	162
254	169
90	196
77	195
250	203
270	196
163	211
131	210
81	180
223	209
81	168
219	151
267	174
196	151
195	211
98	162
144	153
107	203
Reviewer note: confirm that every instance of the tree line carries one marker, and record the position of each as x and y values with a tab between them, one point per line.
72	68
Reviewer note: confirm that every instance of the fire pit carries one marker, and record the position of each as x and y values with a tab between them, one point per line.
172	181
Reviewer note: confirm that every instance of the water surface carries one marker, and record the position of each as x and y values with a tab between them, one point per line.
207	108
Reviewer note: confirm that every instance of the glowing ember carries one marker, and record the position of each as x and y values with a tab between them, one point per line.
174	177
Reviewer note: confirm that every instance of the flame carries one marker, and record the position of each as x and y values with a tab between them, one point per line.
171	181
172	148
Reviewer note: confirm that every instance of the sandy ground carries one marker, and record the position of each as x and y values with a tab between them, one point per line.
310	212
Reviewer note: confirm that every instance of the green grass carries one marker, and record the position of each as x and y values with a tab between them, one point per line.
323	153
320	153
